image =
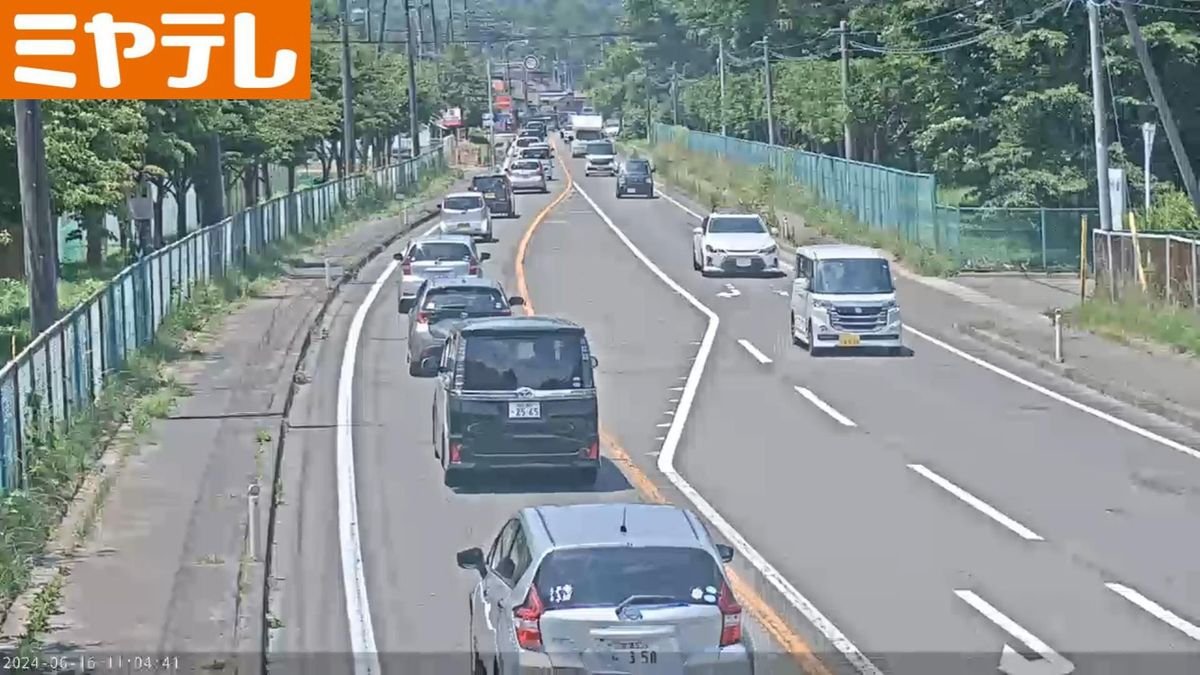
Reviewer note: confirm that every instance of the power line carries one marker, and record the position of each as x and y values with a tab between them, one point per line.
987	32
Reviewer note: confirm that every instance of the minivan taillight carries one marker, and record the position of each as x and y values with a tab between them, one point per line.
731	616
528	621
473	269
422	317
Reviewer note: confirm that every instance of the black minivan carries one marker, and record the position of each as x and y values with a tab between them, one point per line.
516	392
497	193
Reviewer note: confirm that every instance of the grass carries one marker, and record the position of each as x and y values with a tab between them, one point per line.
719	183
1139	316
142	391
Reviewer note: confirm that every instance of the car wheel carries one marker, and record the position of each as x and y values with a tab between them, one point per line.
895	351
695	263
585	477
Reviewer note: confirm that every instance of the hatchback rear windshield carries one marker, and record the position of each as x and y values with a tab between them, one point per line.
464	299
441	250
505	363
588	135
527	165
607	576
464	203
853	276
536	153
491	184
637	167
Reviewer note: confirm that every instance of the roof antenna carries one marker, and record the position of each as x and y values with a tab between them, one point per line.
624	512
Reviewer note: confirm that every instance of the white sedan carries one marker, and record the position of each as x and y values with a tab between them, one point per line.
731	243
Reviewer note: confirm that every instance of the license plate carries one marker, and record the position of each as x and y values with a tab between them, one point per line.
489	195
524	410
848	340
743	262
636	657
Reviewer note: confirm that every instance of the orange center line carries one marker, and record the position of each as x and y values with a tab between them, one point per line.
767	617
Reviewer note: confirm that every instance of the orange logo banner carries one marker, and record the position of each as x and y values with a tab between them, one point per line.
155	49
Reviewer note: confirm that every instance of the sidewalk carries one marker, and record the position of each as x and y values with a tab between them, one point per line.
169	568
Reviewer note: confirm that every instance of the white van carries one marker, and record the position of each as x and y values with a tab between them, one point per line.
844	298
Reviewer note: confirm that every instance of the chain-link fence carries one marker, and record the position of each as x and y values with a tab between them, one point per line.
61	373
1170	263
977	238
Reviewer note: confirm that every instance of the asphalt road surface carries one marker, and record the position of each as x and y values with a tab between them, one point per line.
919	514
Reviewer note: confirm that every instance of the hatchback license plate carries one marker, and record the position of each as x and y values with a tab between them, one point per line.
524	410
489	195
848	340
743	262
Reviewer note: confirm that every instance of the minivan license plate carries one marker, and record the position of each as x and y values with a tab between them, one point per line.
524	410
848	340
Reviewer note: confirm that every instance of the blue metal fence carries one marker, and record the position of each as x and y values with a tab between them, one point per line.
62	371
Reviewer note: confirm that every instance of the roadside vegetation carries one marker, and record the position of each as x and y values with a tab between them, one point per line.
145	390
1138	316
715	182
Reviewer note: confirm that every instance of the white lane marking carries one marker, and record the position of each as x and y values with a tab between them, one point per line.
780	292
666	464
664	425
1010	660
354	580
669	412
825	407
729	292
1156	610
762	358
1082	407
976	503
672	400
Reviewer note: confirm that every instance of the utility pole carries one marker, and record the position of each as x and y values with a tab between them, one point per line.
849	138
721	59
347	95
1160	102
450	22
383	27
41	239
491	110
433	26
1098	116
420	28
674	95
413	130
648	116
770	90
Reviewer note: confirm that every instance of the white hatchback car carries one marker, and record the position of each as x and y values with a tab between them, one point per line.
527	175
733	243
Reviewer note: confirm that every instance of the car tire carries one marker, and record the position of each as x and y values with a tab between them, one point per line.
619	195
585	477
695	263
811	344
405	305
792	331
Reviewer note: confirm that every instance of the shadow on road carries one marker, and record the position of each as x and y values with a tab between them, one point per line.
532	481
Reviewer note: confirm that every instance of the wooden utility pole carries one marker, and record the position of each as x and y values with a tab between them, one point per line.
1164	108
849	139
413	129
41	236
382	27
721	58
1100	119
770	90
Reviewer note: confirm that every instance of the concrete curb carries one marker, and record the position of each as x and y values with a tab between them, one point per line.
348	274
1134	397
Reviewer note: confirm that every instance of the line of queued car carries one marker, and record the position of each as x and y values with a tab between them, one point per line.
582	588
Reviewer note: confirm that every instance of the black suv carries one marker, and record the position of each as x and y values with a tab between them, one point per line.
516	392
635	178
497	193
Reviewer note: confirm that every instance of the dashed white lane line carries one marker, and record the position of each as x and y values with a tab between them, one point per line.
1156	610
666	464
825	407
762	358
1010	660
976	503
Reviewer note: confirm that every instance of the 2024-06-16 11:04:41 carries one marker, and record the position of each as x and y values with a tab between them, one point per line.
124	663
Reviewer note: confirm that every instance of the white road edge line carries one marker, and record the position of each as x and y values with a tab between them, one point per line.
354	580
1012	628
1082	407
666	464
762	358
976	503
825	407
1156	610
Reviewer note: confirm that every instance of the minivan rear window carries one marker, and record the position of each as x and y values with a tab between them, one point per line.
607	576
535	153
542	362
441	250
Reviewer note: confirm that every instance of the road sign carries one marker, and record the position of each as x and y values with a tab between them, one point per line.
503	101
531	62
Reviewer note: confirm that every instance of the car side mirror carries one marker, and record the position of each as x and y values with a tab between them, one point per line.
431	365
398	256
472	559
440	206
697	230
516	300
800	284
726	552
485	256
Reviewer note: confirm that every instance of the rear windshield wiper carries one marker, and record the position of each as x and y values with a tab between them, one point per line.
649	600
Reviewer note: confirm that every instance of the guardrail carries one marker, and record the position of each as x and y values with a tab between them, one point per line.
1170	262
63	370
904	202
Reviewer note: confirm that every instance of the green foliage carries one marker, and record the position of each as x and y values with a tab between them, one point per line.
1137	316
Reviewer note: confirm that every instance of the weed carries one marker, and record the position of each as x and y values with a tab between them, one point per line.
274	622
41	609
210	559
263	436
1136	315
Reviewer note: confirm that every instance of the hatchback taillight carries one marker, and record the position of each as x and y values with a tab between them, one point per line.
473	269
527	618
406	267
731	616
455	453
422	317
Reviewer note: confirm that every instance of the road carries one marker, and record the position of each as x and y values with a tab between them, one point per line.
917	514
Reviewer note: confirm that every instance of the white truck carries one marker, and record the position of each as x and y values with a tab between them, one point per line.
585	128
